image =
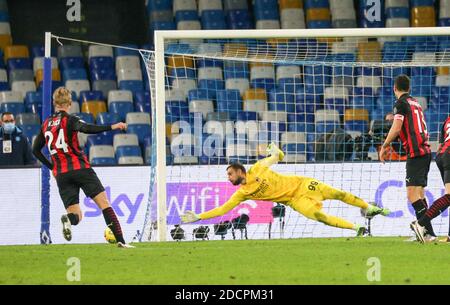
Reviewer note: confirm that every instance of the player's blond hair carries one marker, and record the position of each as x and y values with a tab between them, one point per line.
62	97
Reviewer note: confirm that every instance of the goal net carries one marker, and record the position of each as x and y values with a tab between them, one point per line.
324	97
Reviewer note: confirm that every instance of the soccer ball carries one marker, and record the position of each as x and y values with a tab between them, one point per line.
109	236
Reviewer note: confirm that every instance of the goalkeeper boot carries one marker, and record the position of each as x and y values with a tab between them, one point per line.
418	230
126	246
67	227
373	210
361	231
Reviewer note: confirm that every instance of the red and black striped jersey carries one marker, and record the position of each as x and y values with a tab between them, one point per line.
414	134
61	138
444	138
60	133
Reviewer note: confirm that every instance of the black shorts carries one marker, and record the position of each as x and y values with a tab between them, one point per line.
443	163
69	185
417	170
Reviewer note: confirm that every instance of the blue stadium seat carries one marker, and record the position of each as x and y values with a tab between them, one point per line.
159	5
30	130
281	101
19	63
229	101
239	19
247	116
360	126
213	20
177	110
128	151
131	85
142	102
73	74
71	63
121	109
126	52
104	74
103	161
91	96
107	118
87	117
101	63
141	130
397	12
98	139
14	108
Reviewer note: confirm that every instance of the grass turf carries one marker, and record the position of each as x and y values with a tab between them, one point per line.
294	261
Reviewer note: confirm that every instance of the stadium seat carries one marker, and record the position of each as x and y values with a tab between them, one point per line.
93	107
14	108
127	62
28	119
19	63
38	63
100	51
102	155
107	118
23	87
86	96
130	155
56	76
184	5
123	139
5	40
11	97
16	51
423	16
105	86
71	63
67	50
77	86
86	117
139	124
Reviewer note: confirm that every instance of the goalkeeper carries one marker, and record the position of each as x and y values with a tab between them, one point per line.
303	194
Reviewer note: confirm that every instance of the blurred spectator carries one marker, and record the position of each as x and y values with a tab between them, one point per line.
14	147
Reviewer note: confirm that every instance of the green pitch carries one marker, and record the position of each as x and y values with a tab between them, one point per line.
295	261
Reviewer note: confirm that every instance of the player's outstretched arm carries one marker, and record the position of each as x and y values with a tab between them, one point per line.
233	202
274	155
79	125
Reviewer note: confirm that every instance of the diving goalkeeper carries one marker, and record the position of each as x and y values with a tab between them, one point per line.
303	194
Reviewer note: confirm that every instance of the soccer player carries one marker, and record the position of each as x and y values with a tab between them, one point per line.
441	204
70	166
409	124
303	194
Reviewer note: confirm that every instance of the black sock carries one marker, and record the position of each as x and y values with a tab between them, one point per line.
113	223
439	206
74	219
420	207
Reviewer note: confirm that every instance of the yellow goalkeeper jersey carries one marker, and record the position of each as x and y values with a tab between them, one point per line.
264	184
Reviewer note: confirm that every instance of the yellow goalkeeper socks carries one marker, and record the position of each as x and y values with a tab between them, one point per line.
339	222
355	201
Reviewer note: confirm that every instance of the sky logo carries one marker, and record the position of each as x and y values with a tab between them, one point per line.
123	205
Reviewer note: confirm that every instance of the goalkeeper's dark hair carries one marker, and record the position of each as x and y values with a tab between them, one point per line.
237	166
402	83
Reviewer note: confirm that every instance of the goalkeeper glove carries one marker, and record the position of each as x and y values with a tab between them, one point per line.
189	217
273	150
